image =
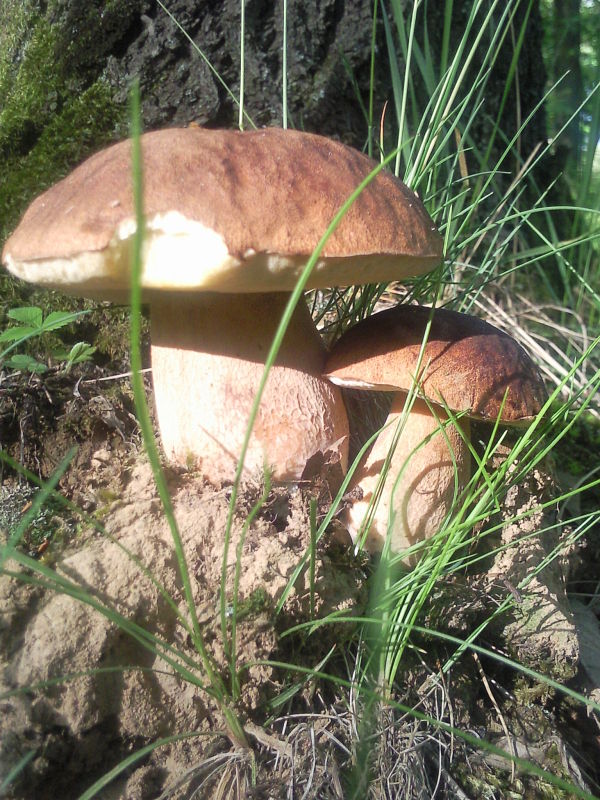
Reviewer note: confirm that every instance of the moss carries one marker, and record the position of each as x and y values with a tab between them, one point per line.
576	459
479	780
28	102
53	523
107	496
17	20
577	453
255	604
86	122
54	108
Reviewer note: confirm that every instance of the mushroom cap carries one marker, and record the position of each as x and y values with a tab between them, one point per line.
468	364
225	211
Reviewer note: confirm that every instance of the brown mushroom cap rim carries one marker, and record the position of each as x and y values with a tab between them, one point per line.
256	202
468	365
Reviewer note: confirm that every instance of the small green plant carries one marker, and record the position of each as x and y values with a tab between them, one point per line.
31	323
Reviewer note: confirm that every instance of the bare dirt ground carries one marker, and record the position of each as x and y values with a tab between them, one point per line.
121	695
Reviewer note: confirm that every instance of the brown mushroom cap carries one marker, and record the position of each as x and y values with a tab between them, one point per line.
468	364
234	211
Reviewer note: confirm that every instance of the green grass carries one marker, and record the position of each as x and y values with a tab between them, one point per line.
499	243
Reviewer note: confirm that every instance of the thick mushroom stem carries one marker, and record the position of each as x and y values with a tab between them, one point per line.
419	487
208	354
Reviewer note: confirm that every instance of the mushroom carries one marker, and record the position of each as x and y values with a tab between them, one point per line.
230	221
469	367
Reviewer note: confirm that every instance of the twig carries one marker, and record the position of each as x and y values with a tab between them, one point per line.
116	377
509	738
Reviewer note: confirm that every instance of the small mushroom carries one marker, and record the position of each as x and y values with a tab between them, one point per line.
468	366
231	219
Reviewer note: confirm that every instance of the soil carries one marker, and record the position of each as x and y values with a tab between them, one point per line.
112	692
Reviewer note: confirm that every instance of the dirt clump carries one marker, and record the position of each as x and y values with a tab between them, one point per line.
120	690
542	632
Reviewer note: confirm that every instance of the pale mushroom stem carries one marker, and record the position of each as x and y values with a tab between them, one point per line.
208	354
426	489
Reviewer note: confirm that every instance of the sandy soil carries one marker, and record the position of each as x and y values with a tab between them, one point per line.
112	691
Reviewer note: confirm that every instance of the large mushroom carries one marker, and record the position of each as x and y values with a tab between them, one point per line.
231	219
468	367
